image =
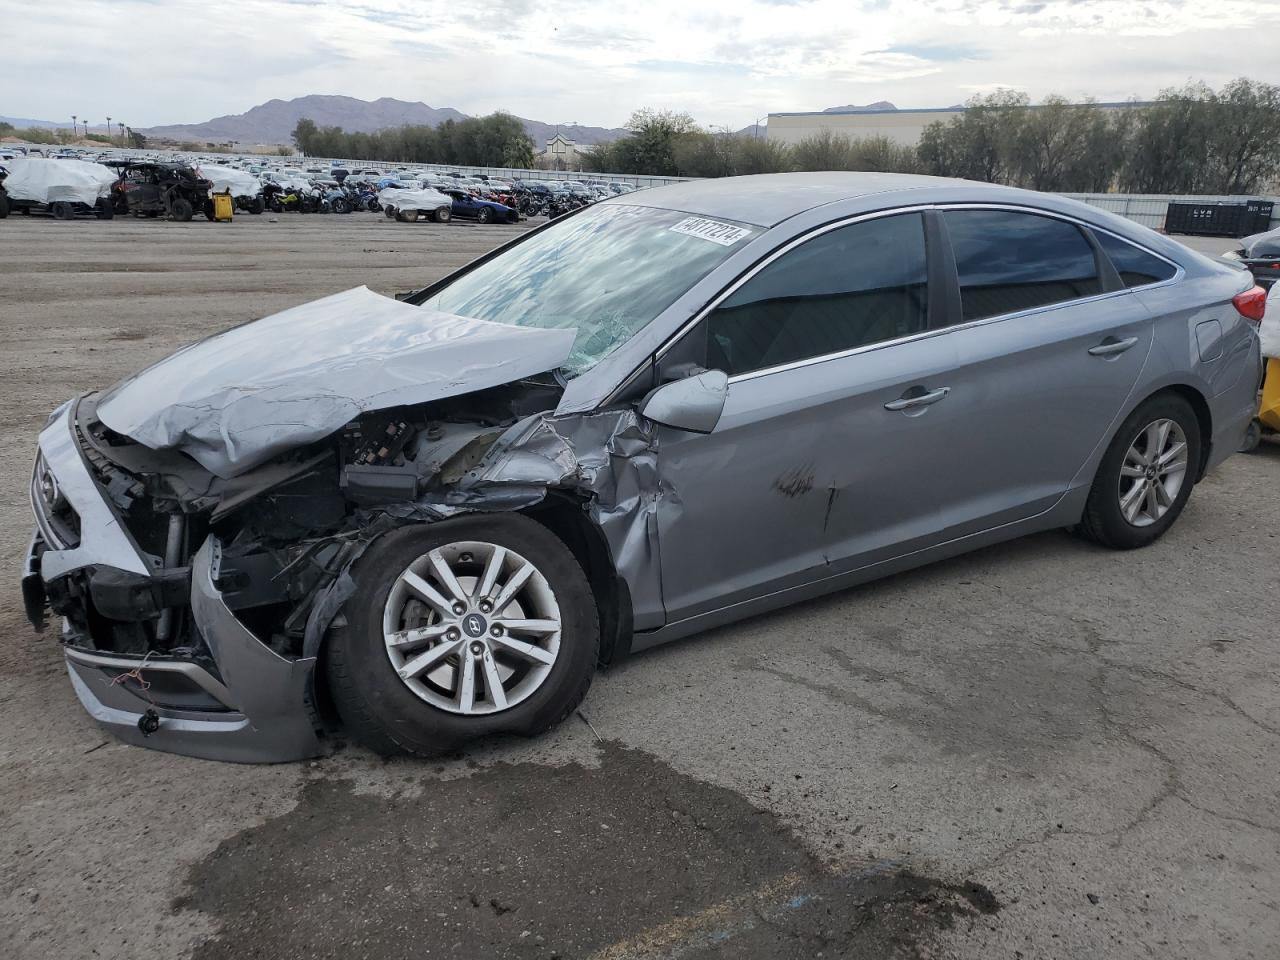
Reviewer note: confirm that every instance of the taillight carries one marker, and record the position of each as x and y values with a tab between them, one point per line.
1252	304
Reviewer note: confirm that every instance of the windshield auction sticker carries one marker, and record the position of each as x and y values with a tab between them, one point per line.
725	234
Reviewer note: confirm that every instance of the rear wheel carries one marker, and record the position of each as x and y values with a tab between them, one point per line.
257	205
391	213
443	214
180	209
63	210
462	629
105	209
4	206
1146	475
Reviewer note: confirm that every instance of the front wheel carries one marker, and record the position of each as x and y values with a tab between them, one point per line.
462	629
1146	475
443	215
180	209
484	215
390	213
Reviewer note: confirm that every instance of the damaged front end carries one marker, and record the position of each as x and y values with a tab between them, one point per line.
194	606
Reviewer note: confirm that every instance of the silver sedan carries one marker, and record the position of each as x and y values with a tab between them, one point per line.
429	519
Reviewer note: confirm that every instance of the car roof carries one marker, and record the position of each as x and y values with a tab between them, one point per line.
768	199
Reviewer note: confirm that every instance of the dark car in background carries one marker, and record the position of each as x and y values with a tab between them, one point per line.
470	207
1261	254
153	188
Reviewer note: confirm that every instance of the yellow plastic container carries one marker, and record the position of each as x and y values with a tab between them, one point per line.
222	207
1269	408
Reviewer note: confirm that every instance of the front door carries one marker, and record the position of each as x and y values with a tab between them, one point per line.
814	343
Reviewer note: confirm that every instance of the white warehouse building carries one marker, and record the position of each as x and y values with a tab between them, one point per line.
901	126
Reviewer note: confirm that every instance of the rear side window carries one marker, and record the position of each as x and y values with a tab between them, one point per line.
1136	267
1017	261
850	287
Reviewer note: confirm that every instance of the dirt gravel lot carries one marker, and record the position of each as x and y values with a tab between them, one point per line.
1039	750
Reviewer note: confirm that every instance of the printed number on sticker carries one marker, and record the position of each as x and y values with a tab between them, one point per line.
725	234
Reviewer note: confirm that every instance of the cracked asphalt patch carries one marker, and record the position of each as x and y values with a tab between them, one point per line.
627	859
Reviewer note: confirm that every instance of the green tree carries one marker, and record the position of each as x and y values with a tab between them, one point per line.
650	146
304	135
978	143
1244	138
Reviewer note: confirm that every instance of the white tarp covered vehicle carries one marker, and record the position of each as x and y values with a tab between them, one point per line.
64	187
409	204
245	188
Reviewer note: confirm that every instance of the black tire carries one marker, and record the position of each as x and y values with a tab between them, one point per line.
380	711
257	205
1103	522
442	215
208	211
180	209
4	206
106	209
484	215
63	210
391	213
341	206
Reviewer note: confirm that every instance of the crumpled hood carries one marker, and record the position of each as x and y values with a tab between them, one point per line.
241	397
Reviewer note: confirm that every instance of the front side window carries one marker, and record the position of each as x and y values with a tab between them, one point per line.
850	287
605	273
1136	267
1010	261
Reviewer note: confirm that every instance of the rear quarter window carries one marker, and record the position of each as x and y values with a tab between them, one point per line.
1136	267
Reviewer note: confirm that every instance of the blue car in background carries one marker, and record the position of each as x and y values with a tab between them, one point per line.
482	211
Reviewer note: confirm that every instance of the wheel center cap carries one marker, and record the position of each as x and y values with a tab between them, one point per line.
473	625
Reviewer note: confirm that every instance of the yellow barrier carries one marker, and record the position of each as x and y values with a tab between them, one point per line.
222	207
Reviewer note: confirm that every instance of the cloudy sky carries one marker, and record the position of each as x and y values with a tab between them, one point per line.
727	62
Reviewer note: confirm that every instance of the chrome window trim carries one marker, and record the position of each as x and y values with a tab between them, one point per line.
790	245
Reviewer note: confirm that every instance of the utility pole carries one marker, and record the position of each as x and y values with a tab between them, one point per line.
108	129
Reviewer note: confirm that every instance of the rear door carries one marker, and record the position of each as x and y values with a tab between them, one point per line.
1048	344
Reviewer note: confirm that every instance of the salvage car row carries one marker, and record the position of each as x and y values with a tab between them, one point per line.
67	188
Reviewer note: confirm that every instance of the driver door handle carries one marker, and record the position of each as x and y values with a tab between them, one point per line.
1110	347
908	403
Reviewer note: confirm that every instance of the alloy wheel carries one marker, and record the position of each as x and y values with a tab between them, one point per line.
1153	472
472	628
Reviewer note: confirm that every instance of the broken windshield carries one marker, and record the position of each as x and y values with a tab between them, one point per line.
604	273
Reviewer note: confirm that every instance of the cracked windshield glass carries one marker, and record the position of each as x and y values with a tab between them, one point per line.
605	273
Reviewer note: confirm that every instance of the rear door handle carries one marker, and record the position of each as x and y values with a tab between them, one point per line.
1109	347
908	403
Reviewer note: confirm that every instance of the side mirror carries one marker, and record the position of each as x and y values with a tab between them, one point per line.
693	404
